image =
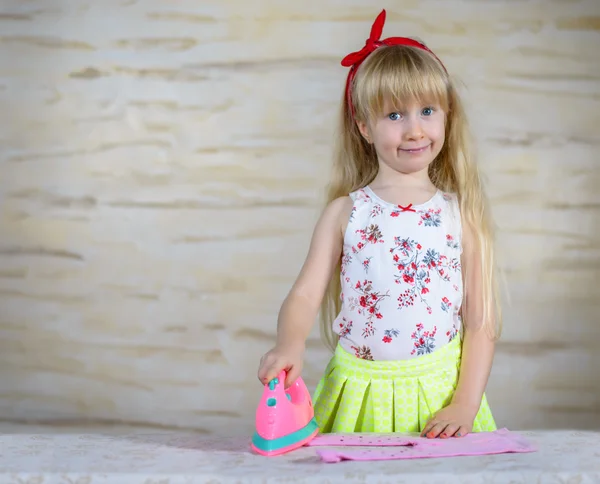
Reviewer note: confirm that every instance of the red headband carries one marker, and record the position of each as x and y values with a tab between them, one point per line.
355	59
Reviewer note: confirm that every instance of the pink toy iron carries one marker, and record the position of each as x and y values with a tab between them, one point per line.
284	418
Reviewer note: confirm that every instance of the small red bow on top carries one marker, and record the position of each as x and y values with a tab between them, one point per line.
355	59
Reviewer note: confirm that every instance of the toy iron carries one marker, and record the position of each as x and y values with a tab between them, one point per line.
285	419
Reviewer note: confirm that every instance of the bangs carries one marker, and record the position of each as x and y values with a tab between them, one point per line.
395	76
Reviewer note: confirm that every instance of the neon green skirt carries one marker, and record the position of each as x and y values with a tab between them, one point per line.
356	395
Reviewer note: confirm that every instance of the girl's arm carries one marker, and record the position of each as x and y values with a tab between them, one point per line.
477	354
478	345
301	306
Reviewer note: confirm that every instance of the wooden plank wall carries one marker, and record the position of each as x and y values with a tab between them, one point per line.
162	169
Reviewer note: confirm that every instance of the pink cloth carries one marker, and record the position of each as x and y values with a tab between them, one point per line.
390	446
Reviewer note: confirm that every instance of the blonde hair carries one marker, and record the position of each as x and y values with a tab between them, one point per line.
399	74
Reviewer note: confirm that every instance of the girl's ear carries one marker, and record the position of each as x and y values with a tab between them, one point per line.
364	130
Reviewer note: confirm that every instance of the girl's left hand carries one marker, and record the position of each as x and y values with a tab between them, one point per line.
453	420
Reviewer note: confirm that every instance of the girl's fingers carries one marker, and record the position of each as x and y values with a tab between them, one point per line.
436	430
450	430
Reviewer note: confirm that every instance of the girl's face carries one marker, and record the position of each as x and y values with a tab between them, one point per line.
409	139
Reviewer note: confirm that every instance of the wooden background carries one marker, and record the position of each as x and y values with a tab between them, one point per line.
162	168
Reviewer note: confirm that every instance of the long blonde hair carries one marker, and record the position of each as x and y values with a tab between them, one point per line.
399	74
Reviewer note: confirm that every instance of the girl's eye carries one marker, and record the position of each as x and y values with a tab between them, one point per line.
428	111
394	116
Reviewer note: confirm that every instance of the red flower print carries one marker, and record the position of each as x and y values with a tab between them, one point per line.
346	259
423	341
376	210
367	304
345	327
363	195
446	304
431	218
450	242
389	334
371	234
363	352
414	270
451	334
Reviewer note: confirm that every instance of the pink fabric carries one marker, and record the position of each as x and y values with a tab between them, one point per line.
389	446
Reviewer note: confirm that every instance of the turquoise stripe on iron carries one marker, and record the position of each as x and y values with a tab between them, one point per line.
285	441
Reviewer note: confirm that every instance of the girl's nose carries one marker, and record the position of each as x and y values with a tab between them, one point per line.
414	130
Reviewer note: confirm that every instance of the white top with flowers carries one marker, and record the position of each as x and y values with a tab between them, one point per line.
401	277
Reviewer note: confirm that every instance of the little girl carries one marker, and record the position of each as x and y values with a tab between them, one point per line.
401	262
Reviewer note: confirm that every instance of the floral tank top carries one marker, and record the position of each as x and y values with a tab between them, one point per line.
401	277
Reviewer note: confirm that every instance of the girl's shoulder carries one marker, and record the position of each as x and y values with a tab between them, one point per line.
340	206
339	211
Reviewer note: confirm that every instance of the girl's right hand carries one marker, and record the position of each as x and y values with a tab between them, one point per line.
288	358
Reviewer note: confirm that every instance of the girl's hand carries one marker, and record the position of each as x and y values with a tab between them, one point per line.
288	358
455	420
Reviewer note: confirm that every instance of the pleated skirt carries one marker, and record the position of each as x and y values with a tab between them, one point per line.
356	395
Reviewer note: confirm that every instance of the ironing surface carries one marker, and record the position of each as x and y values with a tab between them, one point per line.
390	446
134	455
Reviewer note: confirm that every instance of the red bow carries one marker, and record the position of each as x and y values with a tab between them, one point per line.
408	208
355	59
372	43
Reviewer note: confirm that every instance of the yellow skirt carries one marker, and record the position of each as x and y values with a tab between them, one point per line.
357	395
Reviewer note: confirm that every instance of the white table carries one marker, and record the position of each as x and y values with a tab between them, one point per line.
83	456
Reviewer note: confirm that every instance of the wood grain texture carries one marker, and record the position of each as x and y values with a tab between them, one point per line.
162	170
